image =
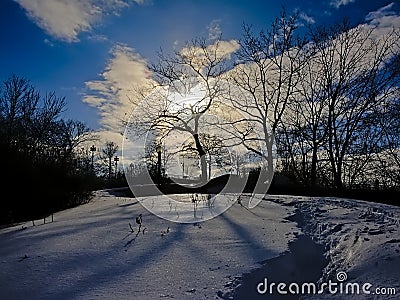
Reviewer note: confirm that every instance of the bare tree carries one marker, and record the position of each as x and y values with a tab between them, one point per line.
27	118
18	97
345	86
302	134
355	78
189	81
267	76
35	138
388	158
109	150
214	147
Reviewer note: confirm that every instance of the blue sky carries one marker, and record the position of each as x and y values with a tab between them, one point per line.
90	51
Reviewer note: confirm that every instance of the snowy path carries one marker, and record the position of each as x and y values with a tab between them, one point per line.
89	252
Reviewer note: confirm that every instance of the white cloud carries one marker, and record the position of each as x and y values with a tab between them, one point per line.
219	49
98	38
65	19
226	48
113	92
339	3
48	42
380	13
387	22
306	18
214	30
384	18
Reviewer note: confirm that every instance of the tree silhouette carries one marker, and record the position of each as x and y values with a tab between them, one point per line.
266	74
109	150
196	68
214	147
41	150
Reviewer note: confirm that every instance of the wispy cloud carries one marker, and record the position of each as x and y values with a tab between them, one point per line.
219	49
48	42
339	3
98	38
381	12
384	18
306	18
214	30
112	93
65	19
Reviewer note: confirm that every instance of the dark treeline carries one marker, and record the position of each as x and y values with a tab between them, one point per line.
338	134
45	167
341	129
331	96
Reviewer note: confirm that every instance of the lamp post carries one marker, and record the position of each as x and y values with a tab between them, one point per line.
158	149
93	150
116	159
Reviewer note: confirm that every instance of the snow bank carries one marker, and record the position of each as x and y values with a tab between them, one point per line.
362	239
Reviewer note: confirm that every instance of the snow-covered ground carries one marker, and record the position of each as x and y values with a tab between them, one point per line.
89	252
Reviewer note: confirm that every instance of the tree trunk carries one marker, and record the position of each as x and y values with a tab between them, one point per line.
338	174
313	173
209	166
202	154
109	168
269	172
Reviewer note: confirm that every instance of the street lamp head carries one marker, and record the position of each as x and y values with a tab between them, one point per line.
93	148
158	148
